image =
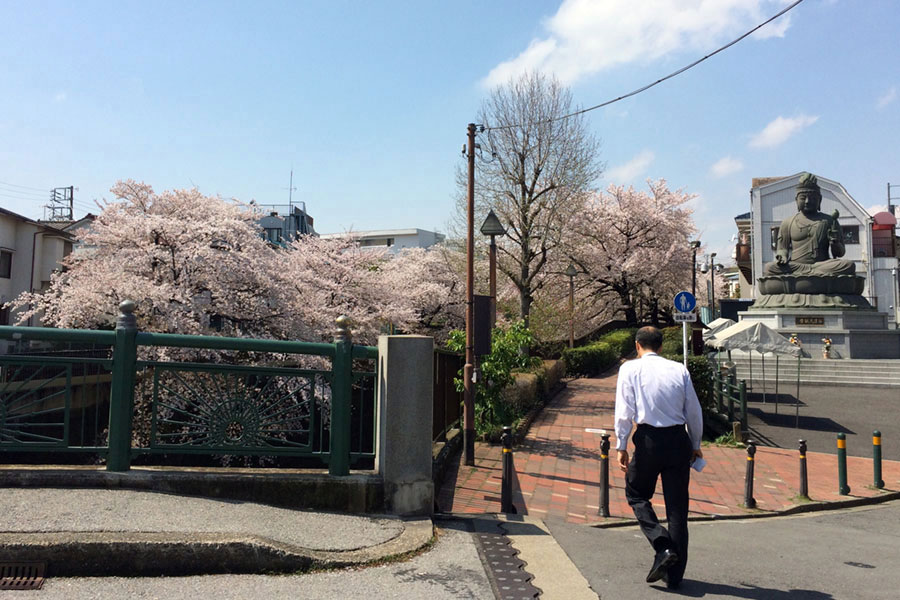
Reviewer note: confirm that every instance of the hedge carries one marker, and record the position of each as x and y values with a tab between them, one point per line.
596	357
701	371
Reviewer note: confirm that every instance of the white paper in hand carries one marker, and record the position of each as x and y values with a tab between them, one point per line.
698	464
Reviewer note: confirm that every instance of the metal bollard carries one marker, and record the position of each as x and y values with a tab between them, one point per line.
749	500
804	482
604	476
876	458
843	488
506	504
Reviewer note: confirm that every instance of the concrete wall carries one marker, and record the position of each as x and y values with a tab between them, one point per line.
885	277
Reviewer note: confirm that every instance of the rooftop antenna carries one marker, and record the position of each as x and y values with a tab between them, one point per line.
291	189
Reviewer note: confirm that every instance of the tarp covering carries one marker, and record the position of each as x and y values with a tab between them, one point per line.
717	325
749	336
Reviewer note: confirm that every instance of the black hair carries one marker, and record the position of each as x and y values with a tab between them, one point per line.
649	338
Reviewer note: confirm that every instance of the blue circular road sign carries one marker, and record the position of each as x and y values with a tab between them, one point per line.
685	302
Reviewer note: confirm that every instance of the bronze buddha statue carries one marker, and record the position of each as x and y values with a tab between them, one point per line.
808	271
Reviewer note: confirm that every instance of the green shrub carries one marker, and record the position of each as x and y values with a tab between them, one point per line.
598	356
622	340
591	359
701	371
491	411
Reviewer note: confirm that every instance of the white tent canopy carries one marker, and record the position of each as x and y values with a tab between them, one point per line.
749	336
716	326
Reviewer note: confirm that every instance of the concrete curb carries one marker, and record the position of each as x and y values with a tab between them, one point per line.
151	554
794	510
359	492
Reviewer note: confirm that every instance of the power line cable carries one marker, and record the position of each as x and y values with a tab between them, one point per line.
658	81
24	187
43	196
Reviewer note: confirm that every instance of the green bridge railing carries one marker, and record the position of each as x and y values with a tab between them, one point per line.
52	403
728	391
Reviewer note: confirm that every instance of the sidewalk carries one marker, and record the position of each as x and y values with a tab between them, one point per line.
557	470
82	532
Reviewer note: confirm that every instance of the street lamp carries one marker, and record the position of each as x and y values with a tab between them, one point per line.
493	227
694	246
571	271
712	285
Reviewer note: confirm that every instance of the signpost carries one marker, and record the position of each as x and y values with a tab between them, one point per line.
684	303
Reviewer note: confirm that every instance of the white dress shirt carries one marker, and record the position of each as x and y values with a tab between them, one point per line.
656	391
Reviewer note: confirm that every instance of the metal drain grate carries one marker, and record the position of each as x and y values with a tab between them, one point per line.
22	576
508	571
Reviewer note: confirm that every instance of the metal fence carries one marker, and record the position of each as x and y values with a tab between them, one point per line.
447	400
119	407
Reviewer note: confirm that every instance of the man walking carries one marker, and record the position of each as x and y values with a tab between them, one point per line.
657	394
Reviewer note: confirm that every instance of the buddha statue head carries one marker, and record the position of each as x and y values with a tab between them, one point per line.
809	195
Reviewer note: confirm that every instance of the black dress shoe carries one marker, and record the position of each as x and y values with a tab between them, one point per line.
661	563
671	584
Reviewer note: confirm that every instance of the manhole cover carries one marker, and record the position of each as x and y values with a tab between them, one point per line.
22	576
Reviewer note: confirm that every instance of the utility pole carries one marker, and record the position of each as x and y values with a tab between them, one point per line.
890	206
60	207
469	369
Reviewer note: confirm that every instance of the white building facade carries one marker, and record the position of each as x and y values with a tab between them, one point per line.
29	254
393	239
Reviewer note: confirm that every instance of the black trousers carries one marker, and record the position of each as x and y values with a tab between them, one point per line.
666	452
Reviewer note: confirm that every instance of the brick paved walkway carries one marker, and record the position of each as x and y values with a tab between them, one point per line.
557	469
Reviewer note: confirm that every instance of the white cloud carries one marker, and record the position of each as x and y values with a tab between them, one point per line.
873	210
625	173
60	97
886	98
726	166
587	36
778	131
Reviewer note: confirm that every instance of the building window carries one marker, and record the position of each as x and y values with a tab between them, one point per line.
4	316
5	264
851	234
774	233
390	242
273	234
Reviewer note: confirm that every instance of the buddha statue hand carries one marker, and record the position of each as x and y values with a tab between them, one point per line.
833	233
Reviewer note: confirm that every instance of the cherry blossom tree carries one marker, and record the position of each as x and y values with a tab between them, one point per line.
185	258
631	249
198	264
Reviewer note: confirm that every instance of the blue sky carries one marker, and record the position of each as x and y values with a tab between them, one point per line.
369	101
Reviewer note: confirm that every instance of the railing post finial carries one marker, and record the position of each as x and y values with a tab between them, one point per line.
343	333
126	319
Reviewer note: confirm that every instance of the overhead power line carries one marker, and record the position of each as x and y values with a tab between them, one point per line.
24	187
658	81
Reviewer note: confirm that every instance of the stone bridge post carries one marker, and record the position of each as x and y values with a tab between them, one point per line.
403	446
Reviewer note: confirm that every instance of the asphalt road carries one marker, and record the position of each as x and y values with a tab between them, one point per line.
450	570
825	412
850	554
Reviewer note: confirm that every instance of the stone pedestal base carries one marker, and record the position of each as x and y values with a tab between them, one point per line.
813	301
853	333
811	291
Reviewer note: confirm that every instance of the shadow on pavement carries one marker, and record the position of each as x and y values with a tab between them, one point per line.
558	448
806	422
699	589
